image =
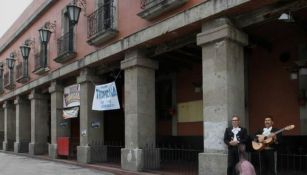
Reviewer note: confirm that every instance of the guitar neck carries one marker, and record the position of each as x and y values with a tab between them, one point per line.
279	131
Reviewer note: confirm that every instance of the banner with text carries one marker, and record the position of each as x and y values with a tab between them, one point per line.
71	101
105	97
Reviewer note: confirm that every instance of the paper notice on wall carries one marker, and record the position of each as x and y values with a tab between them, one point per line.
105	97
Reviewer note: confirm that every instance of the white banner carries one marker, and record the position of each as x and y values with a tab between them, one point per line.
71	96
71	112
105	97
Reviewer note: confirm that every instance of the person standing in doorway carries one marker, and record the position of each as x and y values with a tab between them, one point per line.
234	136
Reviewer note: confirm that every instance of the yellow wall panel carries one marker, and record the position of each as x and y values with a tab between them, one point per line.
190	111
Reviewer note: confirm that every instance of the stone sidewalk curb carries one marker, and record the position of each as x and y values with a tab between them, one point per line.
103	168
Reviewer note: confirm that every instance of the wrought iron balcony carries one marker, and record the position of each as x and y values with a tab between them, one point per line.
101	24
153	8
8	81
65	46
40	63
1	85
145	4
22	73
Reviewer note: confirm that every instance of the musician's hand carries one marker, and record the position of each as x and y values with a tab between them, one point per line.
234	143
260	139
273	136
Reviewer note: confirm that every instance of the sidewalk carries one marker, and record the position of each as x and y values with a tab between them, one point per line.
100	167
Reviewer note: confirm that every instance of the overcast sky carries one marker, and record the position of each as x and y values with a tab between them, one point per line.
10	10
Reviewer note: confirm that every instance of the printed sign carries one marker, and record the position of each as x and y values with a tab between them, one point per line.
71	96
105	97
95	124
71	112
71	101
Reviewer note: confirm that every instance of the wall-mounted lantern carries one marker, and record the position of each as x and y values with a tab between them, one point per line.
74	10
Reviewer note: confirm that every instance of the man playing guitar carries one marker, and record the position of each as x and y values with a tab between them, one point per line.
267	154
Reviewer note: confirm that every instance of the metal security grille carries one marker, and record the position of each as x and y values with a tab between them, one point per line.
101	20
106	152
289	161
172	159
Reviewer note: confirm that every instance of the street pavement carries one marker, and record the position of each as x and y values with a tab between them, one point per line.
14	165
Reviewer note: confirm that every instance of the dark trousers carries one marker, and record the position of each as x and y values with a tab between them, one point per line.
233	159
267	162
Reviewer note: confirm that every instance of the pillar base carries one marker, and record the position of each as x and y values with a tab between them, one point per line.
84	154
53	151
132	159
21	147
38	148
212	164
4	146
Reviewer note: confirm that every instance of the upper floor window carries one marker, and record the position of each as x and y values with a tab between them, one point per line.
102	23
65	44
153	8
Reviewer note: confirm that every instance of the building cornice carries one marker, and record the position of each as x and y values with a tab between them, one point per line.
24	26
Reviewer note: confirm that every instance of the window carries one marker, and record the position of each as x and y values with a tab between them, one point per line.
65	44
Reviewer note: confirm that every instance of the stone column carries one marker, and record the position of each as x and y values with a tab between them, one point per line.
9	126
39	123
140	129
223	89
56	91
89	135
23	125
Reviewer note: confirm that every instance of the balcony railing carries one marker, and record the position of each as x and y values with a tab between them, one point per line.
65	43
18	71
1	91
8	81
150	3
65	46
101	20
154	8
21	73
40	63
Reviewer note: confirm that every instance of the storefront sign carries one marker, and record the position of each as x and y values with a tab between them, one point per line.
105	97
64	124
95	124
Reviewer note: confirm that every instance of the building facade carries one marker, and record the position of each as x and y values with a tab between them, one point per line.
182	68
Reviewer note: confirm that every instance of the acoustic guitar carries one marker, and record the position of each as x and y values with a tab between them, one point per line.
264	141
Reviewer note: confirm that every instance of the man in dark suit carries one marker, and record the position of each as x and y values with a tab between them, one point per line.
267	155
234	136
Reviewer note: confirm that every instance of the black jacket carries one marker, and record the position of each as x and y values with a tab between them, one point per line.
241	136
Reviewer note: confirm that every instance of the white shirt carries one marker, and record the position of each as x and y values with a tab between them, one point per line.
267	131
235	132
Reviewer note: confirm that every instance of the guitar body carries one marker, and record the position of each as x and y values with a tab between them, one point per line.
263	141
258	146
